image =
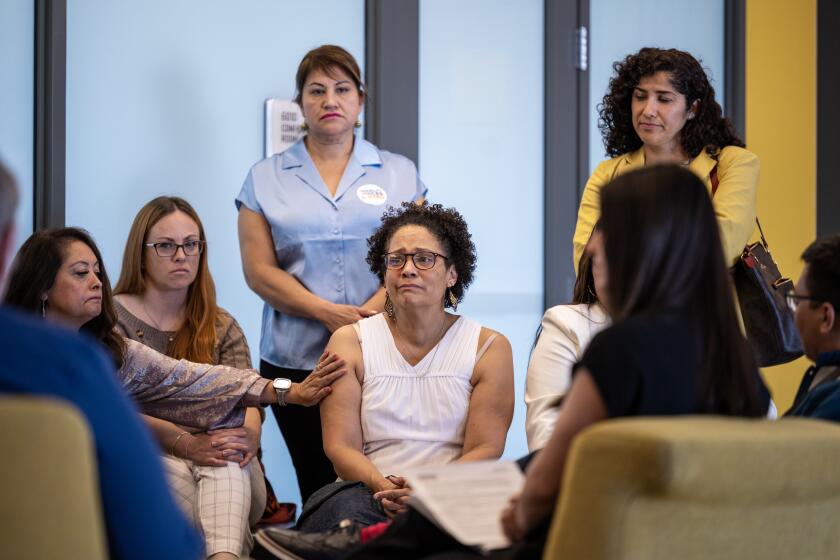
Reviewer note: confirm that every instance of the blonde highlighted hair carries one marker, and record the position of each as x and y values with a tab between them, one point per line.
196	338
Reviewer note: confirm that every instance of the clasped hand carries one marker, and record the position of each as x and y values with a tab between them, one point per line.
395	499
216	448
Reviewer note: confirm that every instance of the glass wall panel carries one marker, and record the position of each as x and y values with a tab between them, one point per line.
17	75
481	151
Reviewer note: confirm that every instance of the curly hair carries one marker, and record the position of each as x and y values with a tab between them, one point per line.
446	224
708	129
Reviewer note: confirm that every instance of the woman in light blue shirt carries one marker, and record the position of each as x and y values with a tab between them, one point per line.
304	218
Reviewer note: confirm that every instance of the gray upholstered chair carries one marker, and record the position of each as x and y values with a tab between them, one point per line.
700	488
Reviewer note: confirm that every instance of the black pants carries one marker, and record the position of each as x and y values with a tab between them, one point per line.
413	537
301	429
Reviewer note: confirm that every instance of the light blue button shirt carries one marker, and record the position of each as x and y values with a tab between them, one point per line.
321	240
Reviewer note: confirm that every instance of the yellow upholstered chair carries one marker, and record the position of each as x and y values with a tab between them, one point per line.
703	488
50	506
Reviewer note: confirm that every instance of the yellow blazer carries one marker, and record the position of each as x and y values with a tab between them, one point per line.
734	201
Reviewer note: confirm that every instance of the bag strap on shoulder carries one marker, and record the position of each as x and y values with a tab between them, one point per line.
713	177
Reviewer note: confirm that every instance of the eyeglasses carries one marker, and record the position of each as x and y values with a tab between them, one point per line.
168	249
793	299
424	260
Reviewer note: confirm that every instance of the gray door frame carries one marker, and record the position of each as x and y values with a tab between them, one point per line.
392	72
566	140
50	114
828	121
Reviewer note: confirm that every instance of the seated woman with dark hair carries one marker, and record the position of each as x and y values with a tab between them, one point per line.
565	332
60	275
424	386
675	346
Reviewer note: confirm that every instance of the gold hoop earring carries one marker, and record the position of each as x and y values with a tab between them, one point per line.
389	306
453	301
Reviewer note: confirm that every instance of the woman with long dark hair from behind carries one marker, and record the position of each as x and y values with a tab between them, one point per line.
674	348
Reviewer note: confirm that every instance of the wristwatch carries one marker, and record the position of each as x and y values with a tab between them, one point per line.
281	387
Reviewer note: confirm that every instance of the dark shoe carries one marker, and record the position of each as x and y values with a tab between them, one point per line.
294	545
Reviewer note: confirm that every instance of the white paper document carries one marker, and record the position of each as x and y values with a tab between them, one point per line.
466	499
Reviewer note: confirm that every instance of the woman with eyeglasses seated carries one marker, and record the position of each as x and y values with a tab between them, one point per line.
60	275
674	347
424	386
165	298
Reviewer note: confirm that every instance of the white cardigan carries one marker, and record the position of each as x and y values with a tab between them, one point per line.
566	332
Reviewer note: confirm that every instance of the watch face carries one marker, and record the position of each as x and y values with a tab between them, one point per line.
281	384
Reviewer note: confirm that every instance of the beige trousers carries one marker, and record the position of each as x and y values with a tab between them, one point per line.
225	503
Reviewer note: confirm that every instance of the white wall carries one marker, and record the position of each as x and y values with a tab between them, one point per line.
167	97
481	151
618	28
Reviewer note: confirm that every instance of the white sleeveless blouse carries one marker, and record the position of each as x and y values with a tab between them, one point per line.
415	415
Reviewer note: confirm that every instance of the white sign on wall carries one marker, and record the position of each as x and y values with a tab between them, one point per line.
283	121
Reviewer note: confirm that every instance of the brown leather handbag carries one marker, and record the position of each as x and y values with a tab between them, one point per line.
761	288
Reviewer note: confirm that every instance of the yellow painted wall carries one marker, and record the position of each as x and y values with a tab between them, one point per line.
781	128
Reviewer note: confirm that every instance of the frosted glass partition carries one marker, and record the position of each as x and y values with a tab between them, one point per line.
17	71
167	98
618	28
481	150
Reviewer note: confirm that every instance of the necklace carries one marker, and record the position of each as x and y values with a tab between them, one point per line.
439	337
154	321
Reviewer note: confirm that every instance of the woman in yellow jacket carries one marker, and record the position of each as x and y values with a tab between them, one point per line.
661	108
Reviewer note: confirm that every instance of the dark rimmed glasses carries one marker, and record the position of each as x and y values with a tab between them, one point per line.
423	260
168	249
793	299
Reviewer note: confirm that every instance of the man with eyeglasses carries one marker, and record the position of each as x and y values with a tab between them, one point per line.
816	303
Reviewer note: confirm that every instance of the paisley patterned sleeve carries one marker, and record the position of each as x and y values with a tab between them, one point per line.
196	395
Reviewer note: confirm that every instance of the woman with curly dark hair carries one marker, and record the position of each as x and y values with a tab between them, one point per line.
661	108
424	386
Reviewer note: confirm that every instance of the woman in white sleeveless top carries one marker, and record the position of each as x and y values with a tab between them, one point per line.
423	386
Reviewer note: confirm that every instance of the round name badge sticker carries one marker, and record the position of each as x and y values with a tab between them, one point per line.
372	194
